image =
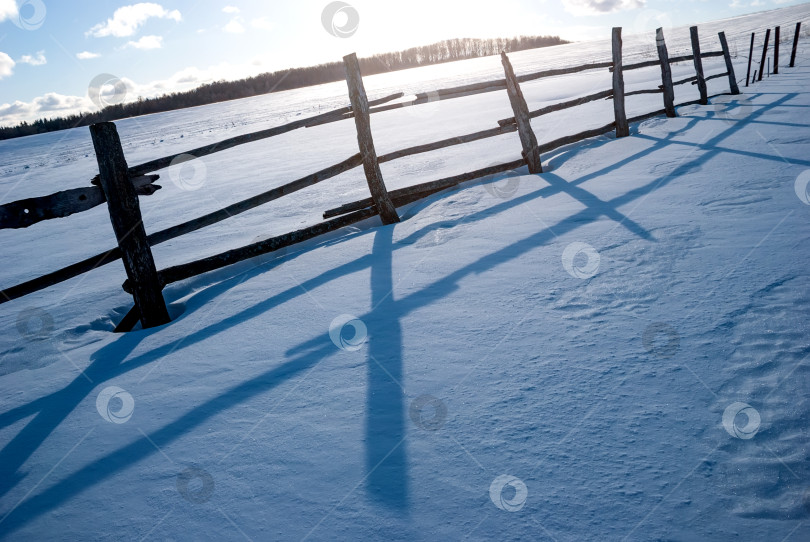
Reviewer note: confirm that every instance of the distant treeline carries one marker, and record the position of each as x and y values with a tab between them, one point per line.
220	91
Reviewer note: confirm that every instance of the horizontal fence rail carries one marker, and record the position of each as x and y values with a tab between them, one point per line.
144	282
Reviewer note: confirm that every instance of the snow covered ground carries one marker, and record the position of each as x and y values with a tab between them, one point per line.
615	349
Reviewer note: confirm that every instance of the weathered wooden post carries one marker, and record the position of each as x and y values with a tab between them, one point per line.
666	73
622	128
527	138
357	95
764	53
776	50
795	44
125	215
732	78
701	79
750	58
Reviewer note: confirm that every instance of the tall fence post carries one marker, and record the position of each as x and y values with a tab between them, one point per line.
776	50
701	79
764	54
527	138
622	128
732	78
666	73
127	223
357	95
795	44
750	58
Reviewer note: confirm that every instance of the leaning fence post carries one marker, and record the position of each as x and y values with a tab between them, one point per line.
357	95
701	79
776	50
666	73
732	78
750	58
764	53
524	124
622	128
127	223
795	44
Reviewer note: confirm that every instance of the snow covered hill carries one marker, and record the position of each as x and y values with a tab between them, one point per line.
615	349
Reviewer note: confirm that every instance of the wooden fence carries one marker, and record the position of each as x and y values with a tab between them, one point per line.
119	184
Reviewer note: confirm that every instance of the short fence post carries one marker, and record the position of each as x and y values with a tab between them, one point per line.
764	54
776	50
666	73
732	78
795	44
701	79
125	215
750	58
527	138
357	95
622	128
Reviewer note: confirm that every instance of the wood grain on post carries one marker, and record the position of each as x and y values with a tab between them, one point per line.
795	44
666	73
732	78
701	80
521	111
622	128
750	58
776	50
764	53
357	95
125	215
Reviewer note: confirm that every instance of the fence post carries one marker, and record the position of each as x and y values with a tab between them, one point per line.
666	73
764	53
527	138
732	78
776	50
622	128
125	215
750	58
795	44
701	79
357	95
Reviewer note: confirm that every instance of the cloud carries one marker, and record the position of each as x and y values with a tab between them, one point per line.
235	26
147	42
6	65
126	20
85	55
8	9
261	23
34	60
230	9
599	7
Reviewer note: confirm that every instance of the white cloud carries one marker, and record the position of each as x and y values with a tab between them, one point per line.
34	60
6	65
8	9
261	23
126	20
235	26
147	42
230	9
85	55
599	7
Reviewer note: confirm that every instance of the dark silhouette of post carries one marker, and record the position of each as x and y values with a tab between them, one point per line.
750	58
701	79
527	138
776	50
125	215
732	78
622	128
764	54
666	73
357	95
795	44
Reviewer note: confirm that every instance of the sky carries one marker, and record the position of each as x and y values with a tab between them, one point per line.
67	56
